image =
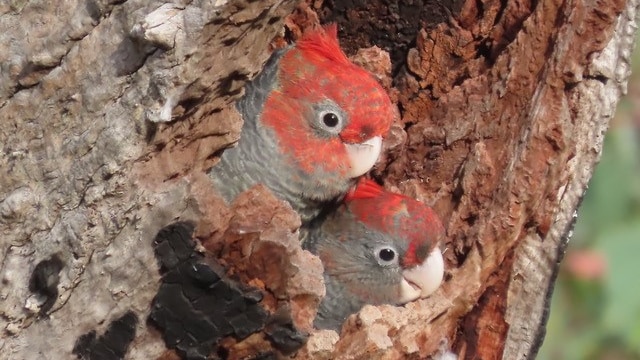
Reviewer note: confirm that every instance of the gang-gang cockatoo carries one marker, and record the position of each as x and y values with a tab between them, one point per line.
313	123
378	247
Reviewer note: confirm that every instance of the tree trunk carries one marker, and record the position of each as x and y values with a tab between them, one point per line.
112	111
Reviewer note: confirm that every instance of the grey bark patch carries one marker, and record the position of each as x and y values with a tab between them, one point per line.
44	281
130	56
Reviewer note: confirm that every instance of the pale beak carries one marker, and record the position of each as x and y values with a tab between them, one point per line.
363	156
422	280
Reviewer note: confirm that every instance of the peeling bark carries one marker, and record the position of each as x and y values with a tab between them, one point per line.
505	108
112	111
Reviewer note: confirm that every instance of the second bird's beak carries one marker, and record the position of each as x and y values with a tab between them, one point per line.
422	280
363	156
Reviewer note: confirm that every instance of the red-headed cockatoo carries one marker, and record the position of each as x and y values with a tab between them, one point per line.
377	248
313	123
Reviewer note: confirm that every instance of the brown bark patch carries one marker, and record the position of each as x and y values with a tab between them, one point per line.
485	135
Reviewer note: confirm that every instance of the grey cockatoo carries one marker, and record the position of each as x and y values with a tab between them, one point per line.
377	248
313	123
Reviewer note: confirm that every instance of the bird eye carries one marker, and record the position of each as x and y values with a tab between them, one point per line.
330	119
385	255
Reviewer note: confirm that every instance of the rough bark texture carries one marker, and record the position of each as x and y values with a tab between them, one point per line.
112	110
92	172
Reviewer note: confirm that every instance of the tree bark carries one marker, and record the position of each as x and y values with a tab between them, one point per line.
112	111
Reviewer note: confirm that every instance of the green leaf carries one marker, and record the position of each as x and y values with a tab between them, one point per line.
621	316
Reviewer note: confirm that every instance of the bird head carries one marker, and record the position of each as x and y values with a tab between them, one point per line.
328	114
413	232
378	248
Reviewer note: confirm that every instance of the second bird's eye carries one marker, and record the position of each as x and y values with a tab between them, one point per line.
330	119
386	255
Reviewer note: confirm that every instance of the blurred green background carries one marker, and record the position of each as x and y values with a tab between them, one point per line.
595	310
